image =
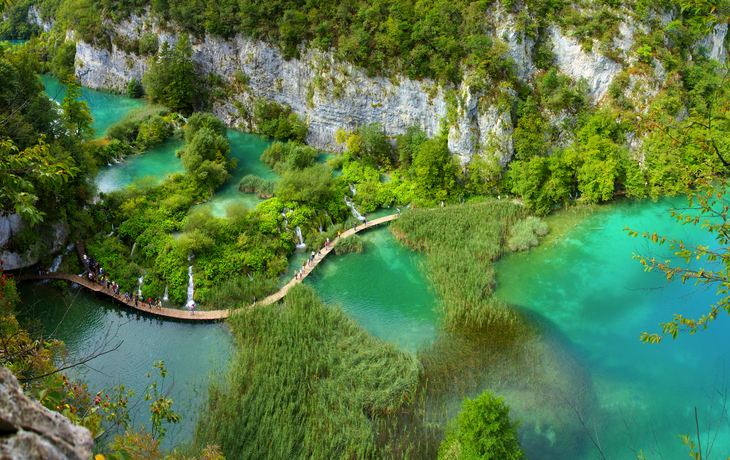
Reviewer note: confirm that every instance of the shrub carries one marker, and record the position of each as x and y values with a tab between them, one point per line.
134	89
149	44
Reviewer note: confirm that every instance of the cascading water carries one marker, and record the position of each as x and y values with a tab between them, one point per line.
164	296
353	189
191	288
301	244
133	246
140	280
56	263
112	232
286	222
354	210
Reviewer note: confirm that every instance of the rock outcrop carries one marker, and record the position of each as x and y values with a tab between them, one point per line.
32	432
53	239
334	95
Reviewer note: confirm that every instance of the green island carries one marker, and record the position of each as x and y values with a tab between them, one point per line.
380	230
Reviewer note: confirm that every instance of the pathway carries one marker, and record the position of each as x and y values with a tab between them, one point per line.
213	315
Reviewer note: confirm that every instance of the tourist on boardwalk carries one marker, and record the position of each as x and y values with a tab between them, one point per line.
355	226
192	309
338	234
397	212
364	221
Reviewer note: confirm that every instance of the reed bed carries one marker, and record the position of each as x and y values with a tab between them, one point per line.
460	243
306	382
238	291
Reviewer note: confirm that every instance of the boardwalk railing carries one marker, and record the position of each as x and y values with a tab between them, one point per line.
213	315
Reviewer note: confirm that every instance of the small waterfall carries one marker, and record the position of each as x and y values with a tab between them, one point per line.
112	232
56	263
250	277
352	189
191	288
286	222
140	280
164	296
133	246
278	229
351	205
320	226
301	244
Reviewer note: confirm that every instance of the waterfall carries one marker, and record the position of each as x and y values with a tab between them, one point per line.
56	263
112	232
286	222
301	244
351	205
352	189
320	226
164	296
191	288
133	246
140	280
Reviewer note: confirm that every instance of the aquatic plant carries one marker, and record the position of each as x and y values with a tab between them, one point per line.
525	232
306	382
353	243
460	244
251	183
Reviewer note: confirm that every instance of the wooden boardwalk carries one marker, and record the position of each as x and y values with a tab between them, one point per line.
213	315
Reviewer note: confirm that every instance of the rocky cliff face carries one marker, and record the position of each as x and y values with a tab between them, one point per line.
53	239
332	95
32	432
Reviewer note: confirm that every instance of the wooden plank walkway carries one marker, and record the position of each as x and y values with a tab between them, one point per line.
213	315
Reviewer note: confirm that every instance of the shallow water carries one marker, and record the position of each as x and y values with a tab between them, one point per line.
106	108
190	350
382	288
587	285
157	162
247	149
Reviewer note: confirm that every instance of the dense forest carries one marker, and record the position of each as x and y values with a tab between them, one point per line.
339	391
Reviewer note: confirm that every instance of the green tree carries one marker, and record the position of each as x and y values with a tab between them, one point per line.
483	430
172	80
205	158
135	89
435	169
76	111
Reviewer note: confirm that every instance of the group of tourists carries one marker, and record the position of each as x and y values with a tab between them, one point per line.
96	274
130	297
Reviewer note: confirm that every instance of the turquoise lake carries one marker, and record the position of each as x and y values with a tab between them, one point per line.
580	283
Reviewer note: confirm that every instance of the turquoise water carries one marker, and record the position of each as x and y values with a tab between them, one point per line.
106	109
382	288
190	350
247	149
157	162
586	286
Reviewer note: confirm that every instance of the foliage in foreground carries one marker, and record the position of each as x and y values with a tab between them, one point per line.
307	382
482	431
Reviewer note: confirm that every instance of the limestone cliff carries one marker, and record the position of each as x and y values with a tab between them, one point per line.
53	239
333	95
